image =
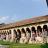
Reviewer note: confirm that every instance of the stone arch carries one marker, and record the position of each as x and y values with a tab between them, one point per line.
27	29
23	30
6	32
2	32
14	31
9	31
19	33
33	29
45	27
39	28
15	34
18	30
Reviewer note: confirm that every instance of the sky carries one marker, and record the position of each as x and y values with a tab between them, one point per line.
17	10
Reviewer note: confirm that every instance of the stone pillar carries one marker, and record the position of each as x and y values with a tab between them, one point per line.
30	32
7	39
12	35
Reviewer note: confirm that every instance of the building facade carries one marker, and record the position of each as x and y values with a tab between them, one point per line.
26	31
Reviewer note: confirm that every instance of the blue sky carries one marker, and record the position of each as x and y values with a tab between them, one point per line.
16	10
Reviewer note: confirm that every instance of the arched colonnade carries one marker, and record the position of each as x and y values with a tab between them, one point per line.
15	33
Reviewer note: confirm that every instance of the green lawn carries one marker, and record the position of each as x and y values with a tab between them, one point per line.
17	45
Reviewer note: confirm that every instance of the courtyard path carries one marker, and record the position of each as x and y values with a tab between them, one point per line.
3	46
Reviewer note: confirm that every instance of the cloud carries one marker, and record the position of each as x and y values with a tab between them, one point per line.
8	19
4	19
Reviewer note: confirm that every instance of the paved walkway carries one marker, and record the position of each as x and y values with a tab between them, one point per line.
3	46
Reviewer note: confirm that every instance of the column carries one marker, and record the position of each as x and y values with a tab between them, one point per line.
31	31
7	39
12	35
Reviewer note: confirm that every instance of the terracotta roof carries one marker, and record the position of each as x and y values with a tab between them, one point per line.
27	21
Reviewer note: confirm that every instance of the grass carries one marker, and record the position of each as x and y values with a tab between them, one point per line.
18	45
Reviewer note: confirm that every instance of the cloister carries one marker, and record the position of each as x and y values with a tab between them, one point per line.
8	32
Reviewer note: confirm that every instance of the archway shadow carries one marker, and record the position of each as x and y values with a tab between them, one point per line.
44	45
